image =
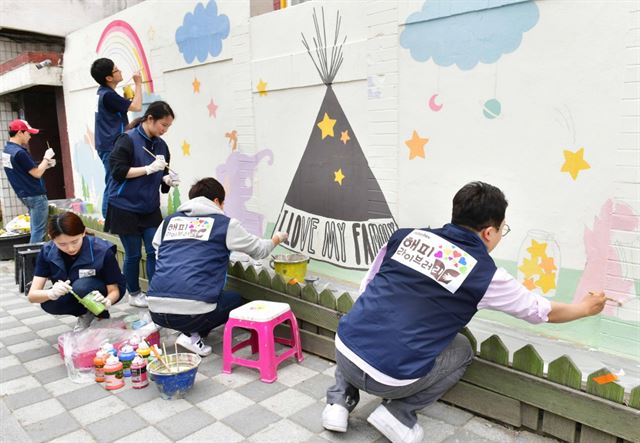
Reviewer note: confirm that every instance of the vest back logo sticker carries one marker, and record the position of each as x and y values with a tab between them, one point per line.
6	160
189	228
436	258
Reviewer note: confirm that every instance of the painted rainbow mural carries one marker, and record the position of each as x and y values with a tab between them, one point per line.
120	43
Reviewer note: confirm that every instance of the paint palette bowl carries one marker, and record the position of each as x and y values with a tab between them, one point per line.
178	380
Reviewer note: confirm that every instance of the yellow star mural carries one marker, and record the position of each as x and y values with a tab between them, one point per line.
537	249
186	148
344	137
547	282
416	145
262	87
529	268
326	126
574	162
338	176
196	85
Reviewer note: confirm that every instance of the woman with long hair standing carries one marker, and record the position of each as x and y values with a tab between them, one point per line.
139	168
75	261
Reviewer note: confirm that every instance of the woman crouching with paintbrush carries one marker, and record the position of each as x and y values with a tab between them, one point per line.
139	168
77	264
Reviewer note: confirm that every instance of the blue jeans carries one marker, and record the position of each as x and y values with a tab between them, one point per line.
38	214
104	156
69	305
200	323
132	244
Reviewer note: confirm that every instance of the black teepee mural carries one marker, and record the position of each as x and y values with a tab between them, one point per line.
334	211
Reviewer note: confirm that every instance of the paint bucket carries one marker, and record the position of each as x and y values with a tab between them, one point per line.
290	267
173	385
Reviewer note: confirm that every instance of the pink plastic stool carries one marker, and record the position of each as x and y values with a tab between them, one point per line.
260	318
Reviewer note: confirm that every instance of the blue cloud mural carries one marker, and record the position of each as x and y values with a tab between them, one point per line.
202	32
467	32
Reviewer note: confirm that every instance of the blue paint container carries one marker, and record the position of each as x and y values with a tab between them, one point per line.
176	381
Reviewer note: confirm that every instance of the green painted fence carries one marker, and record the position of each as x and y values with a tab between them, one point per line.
517	393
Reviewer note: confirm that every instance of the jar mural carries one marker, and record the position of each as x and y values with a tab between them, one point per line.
539	262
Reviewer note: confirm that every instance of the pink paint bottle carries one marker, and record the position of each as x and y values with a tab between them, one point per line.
139	378
113	377
134	341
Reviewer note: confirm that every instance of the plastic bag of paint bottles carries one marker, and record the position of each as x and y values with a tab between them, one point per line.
78	349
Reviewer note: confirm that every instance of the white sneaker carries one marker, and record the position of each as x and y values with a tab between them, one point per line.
138	300
393	429
194	344
335	418
83	321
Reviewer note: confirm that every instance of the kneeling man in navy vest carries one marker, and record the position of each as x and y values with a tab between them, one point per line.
193	247
401	339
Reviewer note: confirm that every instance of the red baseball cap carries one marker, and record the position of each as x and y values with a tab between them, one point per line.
22	125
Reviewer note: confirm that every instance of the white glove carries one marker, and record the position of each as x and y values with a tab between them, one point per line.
157	166
59	289
49	154
51	163
279	237
172	179
99	298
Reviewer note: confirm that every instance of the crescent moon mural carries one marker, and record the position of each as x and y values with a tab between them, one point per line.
433	105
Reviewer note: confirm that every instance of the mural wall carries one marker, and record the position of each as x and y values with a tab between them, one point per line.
340	121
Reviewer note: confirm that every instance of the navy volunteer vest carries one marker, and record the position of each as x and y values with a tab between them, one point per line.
141	194
192	258
108	124
90	260
23	183
427	289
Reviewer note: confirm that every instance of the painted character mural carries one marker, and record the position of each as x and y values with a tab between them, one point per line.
236	175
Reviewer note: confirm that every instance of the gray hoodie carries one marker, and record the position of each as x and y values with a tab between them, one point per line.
238	239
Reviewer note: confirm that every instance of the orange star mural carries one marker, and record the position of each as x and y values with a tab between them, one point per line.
529	284
338	176
326	126
416	145
344	137
574	162
196	85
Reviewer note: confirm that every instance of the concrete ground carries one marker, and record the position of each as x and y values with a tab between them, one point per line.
40	403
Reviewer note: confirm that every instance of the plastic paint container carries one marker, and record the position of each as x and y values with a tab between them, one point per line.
143	350
126	356
98	364
108	348
113	377
139	378
96	308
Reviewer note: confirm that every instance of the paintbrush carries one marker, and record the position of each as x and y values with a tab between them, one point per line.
177	361
154	156
612	300
157	355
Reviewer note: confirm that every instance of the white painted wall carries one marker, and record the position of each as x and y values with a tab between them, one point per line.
571	83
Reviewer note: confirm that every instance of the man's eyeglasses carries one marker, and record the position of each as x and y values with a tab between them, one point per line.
115	70
505	230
